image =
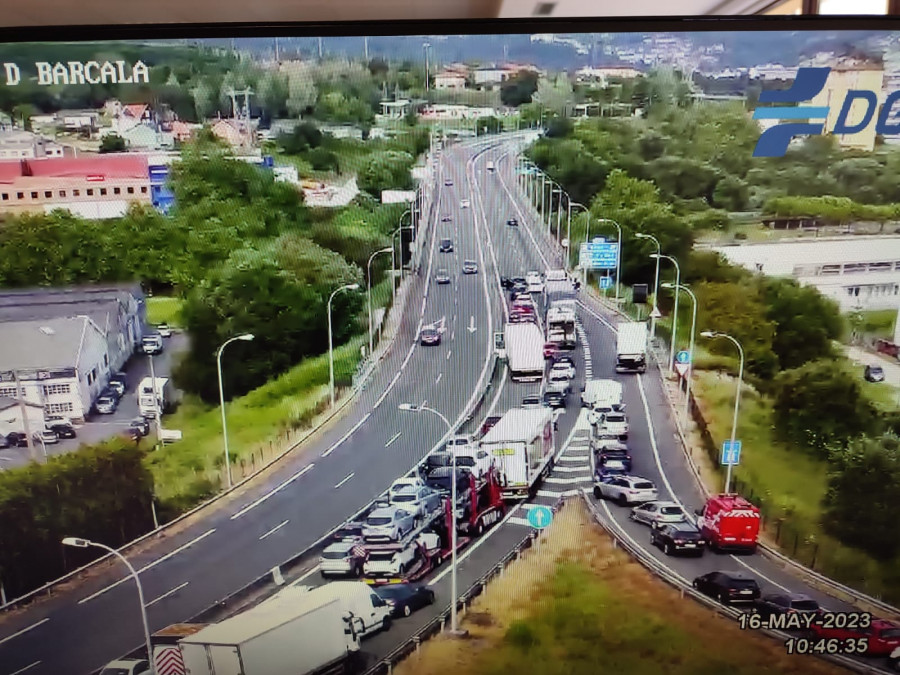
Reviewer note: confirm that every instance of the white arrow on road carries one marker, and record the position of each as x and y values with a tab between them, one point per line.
472	328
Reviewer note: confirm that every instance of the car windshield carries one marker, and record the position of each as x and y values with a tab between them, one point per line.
334	555
380	520
643	485
404	498
876	370
105	400
671	510
465	461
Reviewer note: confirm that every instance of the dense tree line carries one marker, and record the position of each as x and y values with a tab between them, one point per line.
102	493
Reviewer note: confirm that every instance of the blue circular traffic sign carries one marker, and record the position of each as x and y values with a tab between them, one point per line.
683	357
540	517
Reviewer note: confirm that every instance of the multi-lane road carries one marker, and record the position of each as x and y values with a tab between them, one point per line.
348	466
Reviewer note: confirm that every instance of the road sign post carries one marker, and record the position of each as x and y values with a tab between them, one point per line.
731	453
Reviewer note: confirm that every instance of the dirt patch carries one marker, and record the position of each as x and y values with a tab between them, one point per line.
575	600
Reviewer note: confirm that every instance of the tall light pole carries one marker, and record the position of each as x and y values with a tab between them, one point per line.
587	212
425	47
690	371
387	249
85	543
245	337
347	287
675	309
393	255
454	627
642	235
737	398
555	189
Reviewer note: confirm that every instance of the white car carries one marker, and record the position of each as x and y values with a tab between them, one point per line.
417	500
464	204
476	460
400	483
535	282
165	330
613	424
342	558
388	522
598	411
127	667
626	490
658	512
566	370
458	442
557	381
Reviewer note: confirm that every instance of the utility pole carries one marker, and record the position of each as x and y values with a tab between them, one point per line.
320	49
23	410
277	60
366	44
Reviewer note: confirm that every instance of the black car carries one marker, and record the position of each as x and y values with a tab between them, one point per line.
874	374
4	443
531	402
446	246
430	336
728	587
555	399
610	449
17	439
441	479
405	599
505	283
784	603
512	222
517	289
564	359
62	429
140	425
442	276
678	538
445	219
436	460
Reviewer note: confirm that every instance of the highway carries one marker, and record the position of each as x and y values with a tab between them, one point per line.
356	459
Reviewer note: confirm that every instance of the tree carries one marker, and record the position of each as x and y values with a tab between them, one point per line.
863	493
488	125
378	67
272	94
713	267
304	136
682	177
805	321
519	89
731	194
112	143
821	406
559	127
388	170
556	95
302	92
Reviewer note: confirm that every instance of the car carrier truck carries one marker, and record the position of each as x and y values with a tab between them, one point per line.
522	446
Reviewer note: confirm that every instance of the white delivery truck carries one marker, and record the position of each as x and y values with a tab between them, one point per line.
521	444
524	351
561	325
596	392
164	398
631	347
299	633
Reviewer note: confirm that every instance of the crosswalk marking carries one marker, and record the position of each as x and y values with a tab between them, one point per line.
569	469
567	481
571	458
551	493
515	520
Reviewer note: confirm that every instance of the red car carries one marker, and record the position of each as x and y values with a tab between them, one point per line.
883	635
550	350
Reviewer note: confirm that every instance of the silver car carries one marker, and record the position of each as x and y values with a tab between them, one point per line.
658	512
417	500
614	425
388	523
341	558
626	490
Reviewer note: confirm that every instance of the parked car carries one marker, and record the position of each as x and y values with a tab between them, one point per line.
512	222
430	337
728	587
786	603
678	538
62	429
17	439
874	374
658	513
442	276
342	558
4	444
883	636
626	490
417	500
470	267
404	599
115	386
446	246
140	425
164	330
106	404
119	379
388	523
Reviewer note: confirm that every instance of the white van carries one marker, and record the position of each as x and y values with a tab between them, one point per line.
601	391
356	597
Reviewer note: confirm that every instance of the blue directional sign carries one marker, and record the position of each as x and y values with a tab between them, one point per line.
540	517
606	282
731	454
599	255
683	357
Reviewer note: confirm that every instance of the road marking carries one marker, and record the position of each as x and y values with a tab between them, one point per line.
571	469
567	481
520	521
392	439
28	667
552	493
448	354
272	492
168	593
150	565
274	529
25	630
306	574
349	476
343	438
440	375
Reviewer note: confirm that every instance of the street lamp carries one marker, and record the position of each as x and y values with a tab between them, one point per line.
454	628
737	398
387	249
675	310
690	373
347	287
393	264
85	543
245	337
587	212
642	235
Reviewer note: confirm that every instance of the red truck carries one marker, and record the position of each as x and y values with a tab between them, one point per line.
486	506
728	521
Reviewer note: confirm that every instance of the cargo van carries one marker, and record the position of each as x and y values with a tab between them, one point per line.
356	597
601	391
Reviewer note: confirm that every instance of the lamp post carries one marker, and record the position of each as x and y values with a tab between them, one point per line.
642	235
587	212
393	264
737	397
675	309
690	373
454	628
425	47
347	287
388	249
554	189
618	251
85	543
246	337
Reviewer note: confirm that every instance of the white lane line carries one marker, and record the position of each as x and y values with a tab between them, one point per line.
344	480
448	354
392	439
520	521
567	481
274	529
362	420
440	375
306	574
28	667
570	469
269	494
475	546
571	458
25	630
167	594
150	565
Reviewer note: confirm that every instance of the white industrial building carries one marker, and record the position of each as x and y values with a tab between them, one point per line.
858	272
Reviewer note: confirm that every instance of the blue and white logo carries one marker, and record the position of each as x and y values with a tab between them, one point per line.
683	357
540	517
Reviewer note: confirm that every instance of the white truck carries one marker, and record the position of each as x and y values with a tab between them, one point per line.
560	309
631	347
164	398
601	392
524	351
521	444
298	632
490	166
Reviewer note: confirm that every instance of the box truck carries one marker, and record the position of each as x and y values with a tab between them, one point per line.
521	444
631	347
147	402
524	351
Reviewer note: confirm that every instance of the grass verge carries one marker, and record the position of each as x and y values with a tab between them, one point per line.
575	605
163	309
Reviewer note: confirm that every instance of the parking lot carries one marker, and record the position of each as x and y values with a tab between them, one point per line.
100	427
